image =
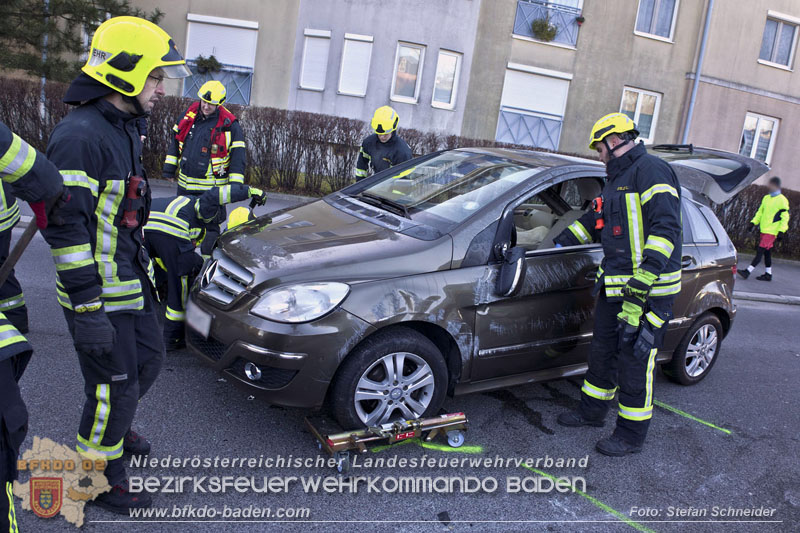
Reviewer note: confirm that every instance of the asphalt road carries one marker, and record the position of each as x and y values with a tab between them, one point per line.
752	393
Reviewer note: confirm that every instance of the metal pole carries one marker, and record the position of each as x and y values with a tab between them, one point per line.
42	109
698	70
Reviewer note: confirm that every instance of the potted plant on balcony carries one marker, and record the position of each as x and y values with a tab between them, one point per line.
580	20
543	30
207	64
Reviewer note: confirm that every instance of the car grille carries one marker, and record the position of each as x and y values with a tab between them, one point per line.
223	280
271	377
209	347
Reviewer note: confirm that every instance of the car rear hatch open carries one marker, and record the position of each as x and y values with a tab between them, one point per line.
715	174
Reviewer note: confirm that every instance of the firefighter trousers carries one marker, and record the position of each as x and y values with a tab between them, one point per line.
626	371
212	229
110	404
178	268
12	301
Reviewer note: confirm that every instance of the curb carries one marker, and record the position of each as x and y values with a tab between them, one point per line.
769	298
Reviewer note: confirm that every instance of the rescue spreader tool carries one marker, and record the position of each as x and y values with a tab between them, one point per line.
339	444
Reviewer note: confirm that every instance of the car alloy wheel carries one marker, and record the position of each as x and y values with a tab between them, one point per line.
397	384
701	350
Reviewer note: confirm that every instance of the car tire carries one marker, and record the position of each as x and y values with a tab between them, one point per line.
697	352
418	391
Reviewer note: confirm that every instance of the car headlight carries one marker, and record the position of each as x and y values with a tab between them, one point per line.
300	303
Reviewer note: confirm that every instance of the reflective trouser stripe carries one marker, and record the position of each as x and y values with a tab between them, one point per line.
171	160
92	451
102	412
9	335
597	392
12	514
643	413
361	173
12	303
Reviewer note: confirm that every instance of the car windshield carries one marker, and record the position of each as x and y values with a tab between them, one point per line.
445	190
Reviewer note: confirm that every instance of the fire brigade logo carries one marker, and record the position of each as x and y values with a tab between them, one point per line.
46	496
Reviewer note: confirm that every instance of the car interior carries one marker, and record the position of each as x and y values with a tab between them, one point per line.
540	219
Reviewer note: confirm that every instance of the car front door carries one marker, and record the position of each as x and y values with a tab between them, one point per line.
548	323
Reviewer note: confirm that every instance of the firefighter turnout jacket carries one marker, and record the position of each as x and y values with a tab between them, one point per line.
97	149
376	155
185	217
28	175
772	216
642	225
206	151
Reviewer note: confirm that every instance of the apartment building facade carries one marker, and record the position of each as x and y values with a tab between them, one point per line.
531	72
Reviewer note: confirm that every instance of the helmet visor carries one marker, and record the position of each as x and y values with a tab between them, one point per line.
175	71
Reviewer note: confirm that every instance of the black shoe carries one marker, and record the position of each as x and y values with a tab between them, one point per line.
135	444
573	419
616	447
175	344
764	277
120	500
744	273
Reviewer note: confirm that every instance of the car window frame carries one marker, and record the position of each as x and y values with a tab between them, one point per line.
567	174
699	211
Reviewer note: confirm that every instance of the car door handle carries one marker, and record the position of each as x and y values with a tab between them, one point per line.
687	261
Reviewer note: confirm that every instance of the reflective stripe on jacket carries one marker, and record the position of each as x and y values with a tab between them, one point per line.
642	215
772	216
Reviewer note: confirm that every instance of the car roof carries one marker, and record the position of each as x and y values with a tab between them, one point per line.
534	157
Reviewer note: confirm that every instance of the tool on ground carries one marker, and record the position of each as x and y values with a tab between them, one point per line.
338	444
135	191
597	207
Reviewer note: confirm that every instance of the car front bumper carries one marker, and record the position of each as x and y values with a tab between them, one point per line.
285	364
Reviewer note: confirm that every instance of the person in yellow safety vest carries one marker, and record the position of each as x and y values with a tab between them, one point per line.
27	174
105	279
772	221
384	148
207	150
175	225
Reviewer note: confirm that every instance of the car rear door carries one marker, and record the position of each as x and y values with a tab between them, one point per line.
715	174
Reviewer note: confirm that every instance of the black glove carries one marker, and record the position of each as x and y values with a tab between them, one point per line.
646	339
779	237
753	227
627	334
258	197
94	334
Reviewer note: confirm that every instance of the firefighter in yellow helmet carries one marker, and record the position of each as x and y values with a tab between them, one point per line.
104	274
637	282
384	148
207	151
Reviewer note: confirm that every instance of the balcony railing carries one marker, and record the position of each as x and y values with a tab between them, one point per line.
237	80
531	130
561	16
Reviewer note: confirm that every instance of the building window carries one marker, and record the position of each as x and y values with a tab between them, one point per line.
233	43
532	106
778	43
315	59
657	18
758	137
407	72
561	14
356	58
448	68
642	107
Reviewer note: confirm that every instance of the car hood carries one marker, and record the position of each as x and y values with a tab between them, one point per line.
317	242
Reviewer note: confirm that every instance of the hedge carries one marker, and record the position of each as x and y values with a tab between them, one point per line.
312	154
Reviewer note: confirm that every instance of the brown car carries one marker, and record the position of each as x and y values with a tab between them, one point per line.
381	298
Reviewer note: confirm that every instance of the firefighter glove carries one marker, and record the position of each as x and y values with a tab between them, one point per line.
258	195
631	313
94	335
645	340
638	287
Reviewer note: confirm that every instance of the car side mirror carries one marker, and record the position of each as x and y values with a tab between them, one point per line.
512	271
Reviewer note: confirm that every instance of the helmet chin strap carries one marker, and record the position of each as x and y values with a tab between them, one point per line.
617	147
136	105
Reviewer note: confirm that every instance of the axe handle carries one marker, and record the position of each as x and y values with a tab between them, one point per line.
16	252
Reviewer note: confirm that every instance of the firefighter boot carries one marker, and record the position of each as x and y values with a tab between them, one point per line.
616	447
135	444
575	419
121	500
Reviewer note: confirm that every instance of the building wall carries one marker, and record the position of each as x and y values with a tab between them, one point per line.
445	24
277	20
734	82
